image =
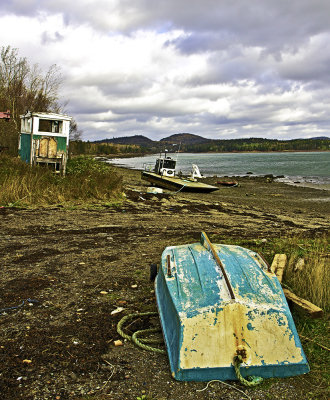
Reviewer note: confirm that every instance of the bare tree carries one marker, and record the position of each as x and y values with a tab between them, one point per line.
13	73
75	133
25	87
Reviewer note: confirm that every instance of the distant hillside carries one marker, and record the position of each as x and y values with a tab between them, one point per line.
184	138
190	143
138	140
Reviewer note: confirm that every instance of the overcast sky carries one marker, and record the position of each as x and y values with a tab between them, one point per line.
217	68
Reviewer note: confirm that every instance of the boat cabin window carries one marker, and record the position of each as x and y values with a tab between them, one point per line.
169	164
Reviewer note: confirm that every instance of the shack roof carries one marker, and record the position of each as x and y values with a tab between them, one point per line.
5	115
44	115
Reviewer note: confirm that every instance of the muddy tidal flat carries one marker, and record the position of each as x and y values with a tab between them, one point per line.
80	264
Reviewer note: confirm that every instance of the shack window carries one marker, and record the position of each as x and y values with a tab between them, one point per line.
48	125
26	125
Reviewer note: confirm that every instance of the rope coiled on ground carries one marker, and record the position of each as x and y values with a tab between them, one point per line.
135	338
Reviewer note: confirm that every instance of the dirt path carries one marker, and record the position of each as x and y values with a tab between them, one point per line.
79	265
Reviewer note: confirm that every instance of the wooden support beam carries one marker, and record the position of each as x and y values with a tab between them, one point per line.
278	265
311	309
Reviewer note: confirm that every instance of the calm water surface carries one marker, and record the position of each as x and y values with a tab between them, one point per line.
309	167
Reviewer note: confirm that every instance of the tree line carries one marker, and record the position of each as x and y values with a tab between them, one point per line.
259	144
79	147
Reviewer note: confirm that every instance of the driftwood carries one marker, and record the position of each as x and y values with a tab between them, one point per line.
278	265
311	309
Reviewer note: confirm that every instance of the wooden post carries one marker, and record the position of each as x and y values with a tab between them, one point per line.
31	142
278	265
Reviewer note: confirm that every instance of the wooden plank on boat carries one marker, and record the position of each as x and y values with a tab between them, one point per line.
278	265
209	246
311	309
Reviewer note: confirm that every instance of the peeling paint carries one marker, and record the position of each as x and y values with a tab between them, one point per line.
211	327
219	342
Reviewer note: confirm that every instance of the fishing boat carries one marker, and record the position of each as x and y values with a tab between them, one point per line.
163	174
219	302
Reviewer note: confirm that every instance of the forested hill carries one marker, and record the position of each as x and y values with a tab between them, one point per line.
185	139
138	140
187	142
258	144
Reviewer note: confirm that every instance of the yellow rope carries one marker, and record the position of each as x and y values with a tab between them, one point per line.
135	337
252	380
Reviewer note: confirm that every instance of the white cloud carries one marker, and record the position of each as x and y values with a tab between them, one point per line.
219	68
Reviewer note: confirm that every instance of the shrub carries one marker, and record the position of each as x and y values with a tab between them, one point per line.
87	181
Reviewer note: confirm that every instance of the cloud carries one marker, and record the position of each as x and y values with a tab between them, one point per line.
219	68
49	37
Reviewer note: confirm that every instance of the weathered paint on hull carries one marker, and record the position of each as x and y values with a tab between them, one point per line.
204	327
175	183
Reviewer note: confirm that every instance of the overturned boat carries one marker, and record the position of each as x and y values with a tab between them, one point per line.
163	174
217	302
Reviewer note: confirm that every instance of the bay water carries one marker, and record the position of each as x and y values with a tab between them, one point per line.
304	168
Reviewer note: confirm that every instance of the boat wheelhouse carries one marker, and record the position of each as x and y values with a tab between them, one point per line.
163	174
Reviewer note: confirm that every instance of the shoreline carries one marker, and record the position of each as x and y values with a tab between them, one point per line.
253	191
136	155
280	179
317	186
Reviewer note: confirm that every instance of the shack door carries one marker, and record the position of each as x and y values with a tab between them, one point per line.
52	148
47	148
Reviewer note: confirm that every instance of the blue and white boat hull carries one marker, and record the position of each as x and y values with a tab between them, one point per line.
219	301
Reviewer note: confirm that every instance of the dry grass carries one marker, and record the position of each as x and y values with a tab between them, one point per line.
312	280
87	181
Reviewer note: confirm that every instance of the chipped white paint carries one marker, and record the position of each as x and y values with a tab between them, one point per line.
211	339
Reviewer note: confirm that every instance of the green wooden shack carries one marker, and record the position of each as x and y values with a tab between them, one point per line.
44	139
